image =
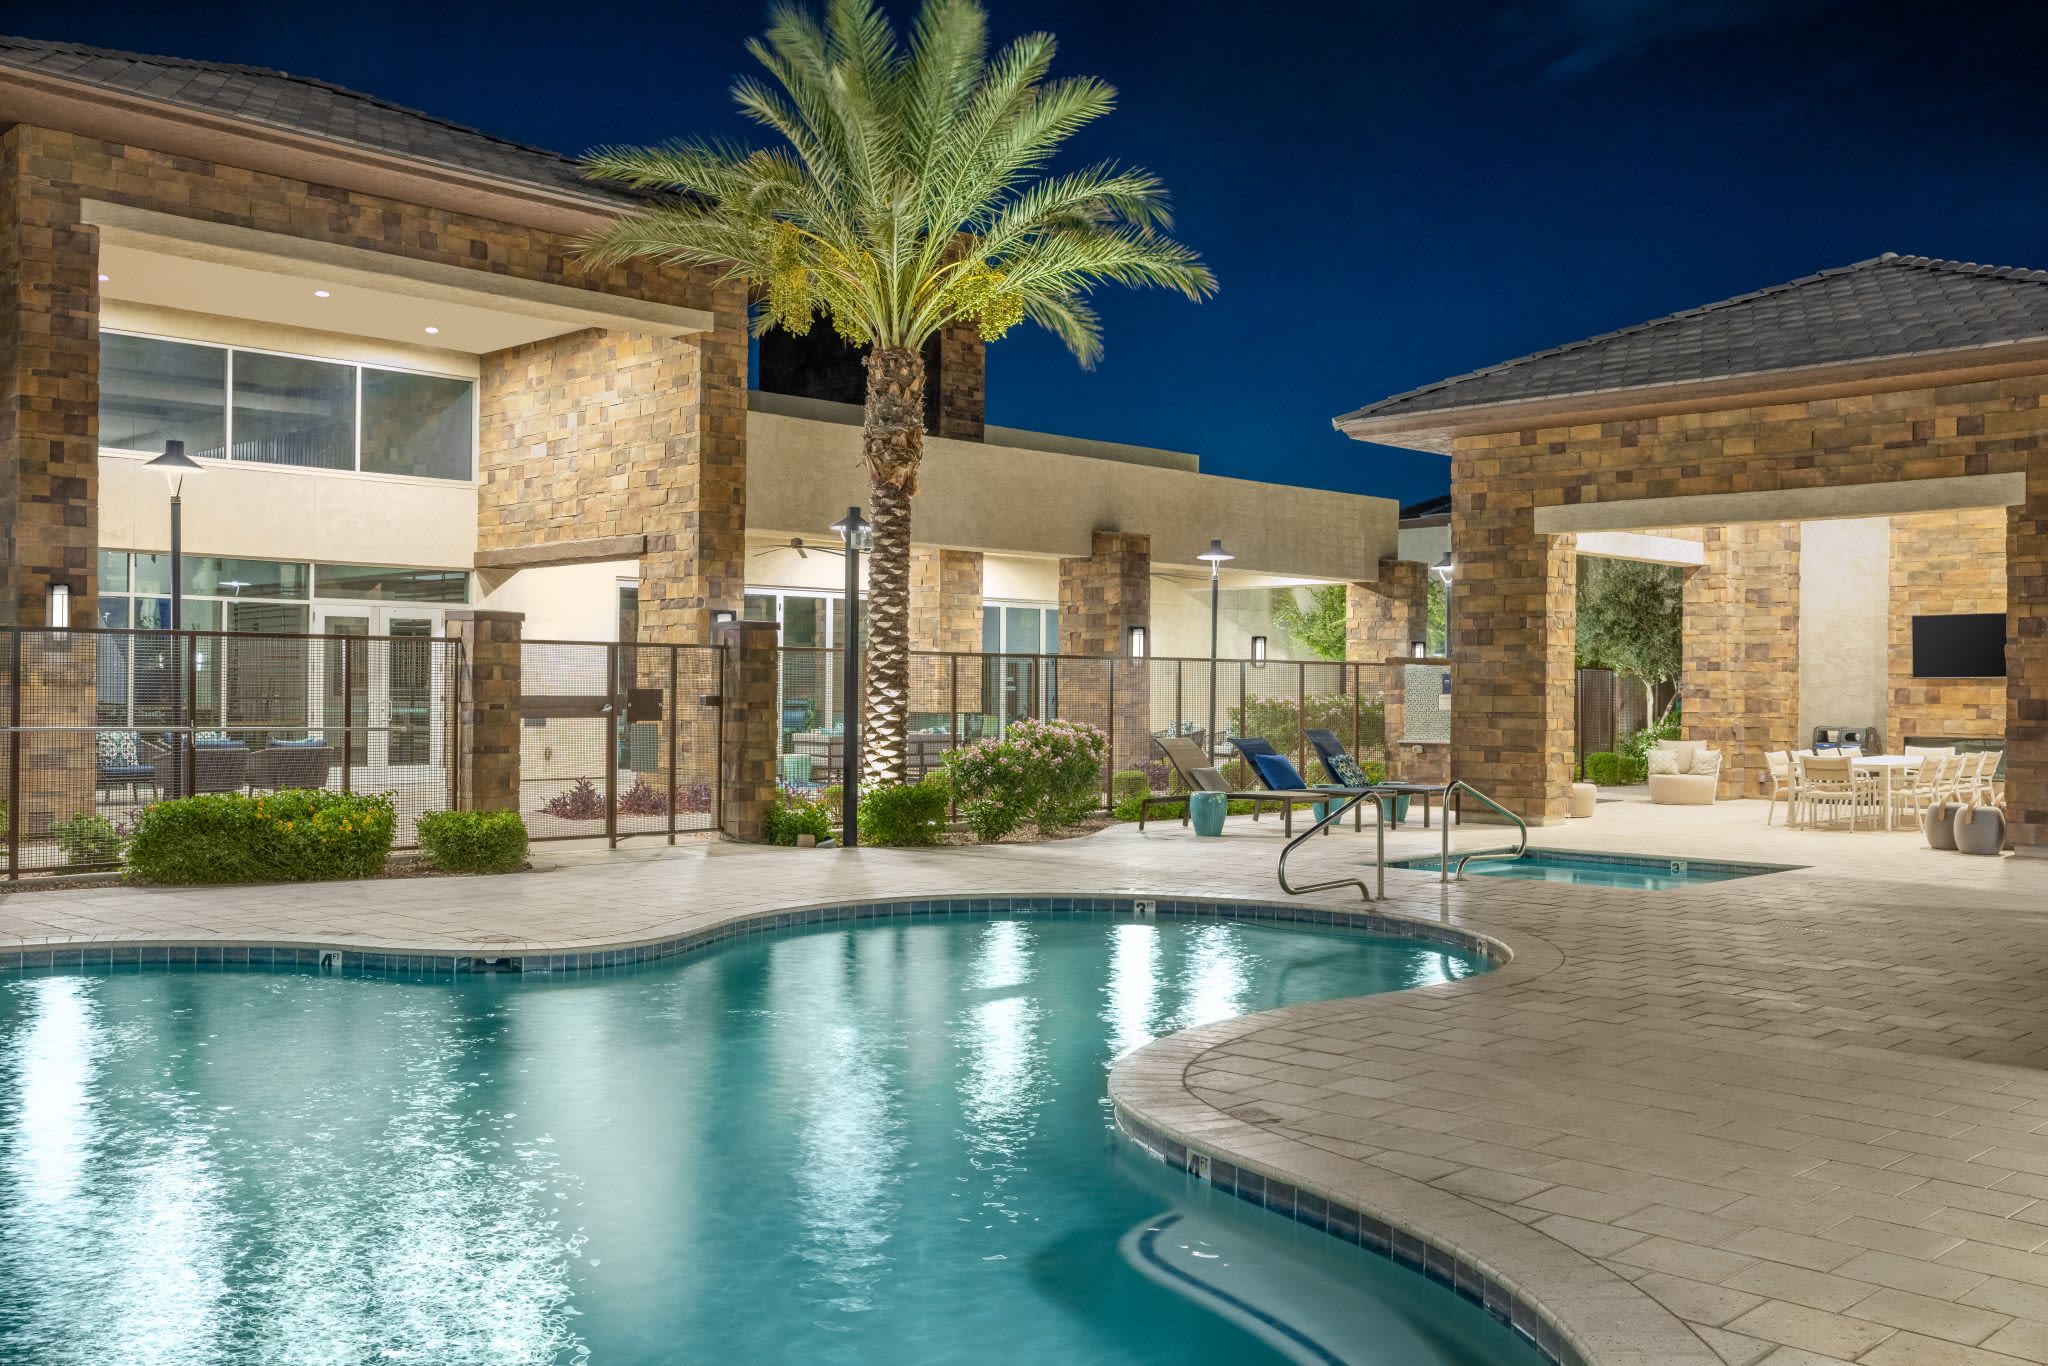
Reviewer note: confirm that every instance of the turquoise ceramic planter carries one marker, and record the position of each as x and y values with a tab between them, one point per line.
1207	810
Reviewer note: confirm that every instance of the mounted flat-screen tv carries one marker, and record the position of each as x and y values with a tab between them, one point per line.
1964	645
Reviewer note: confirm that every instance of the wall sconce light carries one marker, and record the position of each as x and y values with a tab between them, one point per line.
1421	649
1137	642
57	613
719	614
1258	652
1444	569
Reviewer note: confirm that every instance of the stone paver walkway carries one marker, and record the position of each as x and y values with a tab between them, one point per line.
1796	1119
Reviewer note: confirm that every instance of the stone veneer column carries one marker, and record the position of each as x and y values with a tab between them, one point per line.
752	727
1512	638
945	599
2026	665
487	692
963	382
1386	617
1101	598
1741	680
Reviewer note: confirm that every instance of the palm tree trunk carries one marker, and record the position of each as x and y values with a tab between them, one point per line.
892	439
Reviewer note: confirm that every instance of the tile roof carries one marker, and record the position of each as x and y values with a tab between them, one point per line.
300	104
1888	307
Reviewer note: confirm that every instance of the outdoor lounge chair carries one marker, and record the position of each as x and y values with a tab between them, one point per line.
290	763
1198	775
1346	771
124	761
1259	755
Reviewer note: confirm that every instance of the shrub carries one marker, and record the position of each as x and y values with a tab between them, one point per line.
1603	767
903	814
1639	743
582	802
474	841
1046	772
792	814
297	835
1278	719
86	840
1128	783
643	799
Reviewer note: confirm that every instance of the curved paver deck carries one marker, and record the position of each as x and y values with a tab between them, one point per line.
1804	1116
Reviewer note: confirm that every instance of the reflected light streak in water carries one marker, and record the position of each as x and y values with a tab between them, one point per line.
1213	977
1133	985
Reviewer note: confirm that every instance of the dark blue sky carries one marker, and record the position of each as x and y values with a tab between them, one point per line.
1389	192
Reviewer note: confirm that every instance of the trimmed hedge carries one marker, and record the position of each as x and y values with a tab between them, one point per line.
1128	783
297	835
1607	769
903	814
474	841
792	814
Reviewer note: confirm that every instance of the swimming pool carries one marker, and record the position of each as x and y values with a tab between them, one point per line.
884	1141
1642	872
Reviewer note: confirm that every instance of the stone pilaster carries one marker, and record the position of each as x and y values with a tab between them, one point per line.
963	382
1741	679
945	599
487	692
2026	664
1386	617
752	727
1101	597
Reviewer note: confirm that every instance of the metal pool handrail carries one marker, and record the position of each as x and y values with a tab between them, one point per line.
1335	814
1444	869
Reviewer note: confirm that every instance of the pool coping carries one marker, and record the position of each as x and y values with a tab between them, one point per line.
1171	1124
1647	862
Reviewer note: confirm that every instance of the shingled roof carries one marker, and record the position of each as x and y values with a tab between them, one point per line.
300	104
1887	308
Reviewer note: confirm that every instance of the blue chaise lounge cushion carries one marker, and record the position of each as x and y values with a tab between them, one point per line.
1279	772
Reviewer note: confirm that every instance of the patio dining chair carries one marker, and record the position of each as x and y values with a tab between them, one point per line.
1779	764
1828	782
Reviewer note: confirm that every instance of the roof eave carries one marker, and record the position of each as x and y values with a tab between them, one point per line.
59	103
1434	429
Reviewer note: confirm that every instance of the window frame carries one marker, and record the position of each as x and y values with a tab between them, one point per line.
355	468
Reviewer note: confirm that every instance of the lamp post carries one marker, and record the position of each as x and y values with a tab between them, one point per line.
174	464
1215	555
1441	571
855	535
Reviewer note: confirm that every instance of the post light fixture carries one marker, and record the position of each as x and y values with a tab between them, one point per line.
1443	569
856	535
1215	555
1259	652
57	609
174	465
1136	636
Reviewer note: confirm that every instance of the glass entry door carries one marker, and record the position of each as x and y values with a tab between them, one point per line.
391	702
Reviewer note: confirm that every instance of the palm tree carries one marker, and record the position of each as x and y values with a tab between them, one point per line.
913	193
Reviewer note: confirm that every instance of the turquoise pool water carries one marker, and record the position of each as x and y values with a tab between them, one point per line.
1604	870
885	1142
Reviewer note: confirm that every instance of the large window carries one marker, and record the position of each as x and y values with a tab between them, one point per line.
275	409
1013	628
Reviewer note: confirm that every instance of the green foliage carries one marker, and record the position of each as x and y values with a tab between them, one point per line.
1607	769
1046	772
1127	810
910	190
905	815
1639	743
297	835
1128	783
474	841
1631	618
1318	628
1438	624
86	839
792	814
1277	720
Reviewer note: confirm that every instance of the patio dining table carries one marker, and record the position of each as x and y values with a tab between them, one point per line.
1887	766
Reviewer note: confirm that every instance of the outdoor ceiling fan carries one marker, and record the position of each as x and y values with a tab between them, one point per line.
803	550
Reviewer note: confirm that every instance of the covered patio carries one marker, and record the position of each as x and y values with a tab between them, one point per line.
1833	460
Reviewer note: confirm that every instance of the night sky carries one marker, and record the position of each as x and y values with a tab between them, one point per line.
1389	193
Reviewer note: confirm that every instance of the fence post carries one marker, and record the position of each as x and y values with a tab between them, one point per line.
613	713
14	756
348	711
675	717
953	701
488	697
1301	713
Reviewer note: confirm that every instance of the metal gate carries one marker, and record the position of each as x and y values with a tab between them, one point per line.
618	740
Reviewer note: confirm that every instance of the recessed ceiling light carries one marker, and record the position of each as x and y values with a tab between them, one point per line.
320	294
105	278
433	331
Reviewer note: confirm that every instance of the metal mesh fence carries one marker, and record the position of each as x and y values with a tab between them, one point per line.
101	722
956	699
618	740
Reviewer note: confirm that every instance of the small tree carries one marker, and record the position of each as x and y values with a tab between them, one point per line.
1631	620
1319	627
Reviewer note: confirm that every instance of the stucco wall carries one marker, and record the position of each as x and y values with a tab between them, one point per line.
1844	623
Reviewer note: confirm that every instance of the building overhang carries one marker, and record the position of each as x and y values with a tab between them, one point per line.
1435	430
1888	498
225	259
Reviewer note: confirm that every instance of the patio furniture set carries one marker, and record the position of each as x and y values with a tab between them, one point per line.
1208	795
219	763
1847	784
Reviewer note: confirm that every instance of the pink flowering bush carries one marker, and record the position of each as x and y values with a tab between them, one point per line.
1045	772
